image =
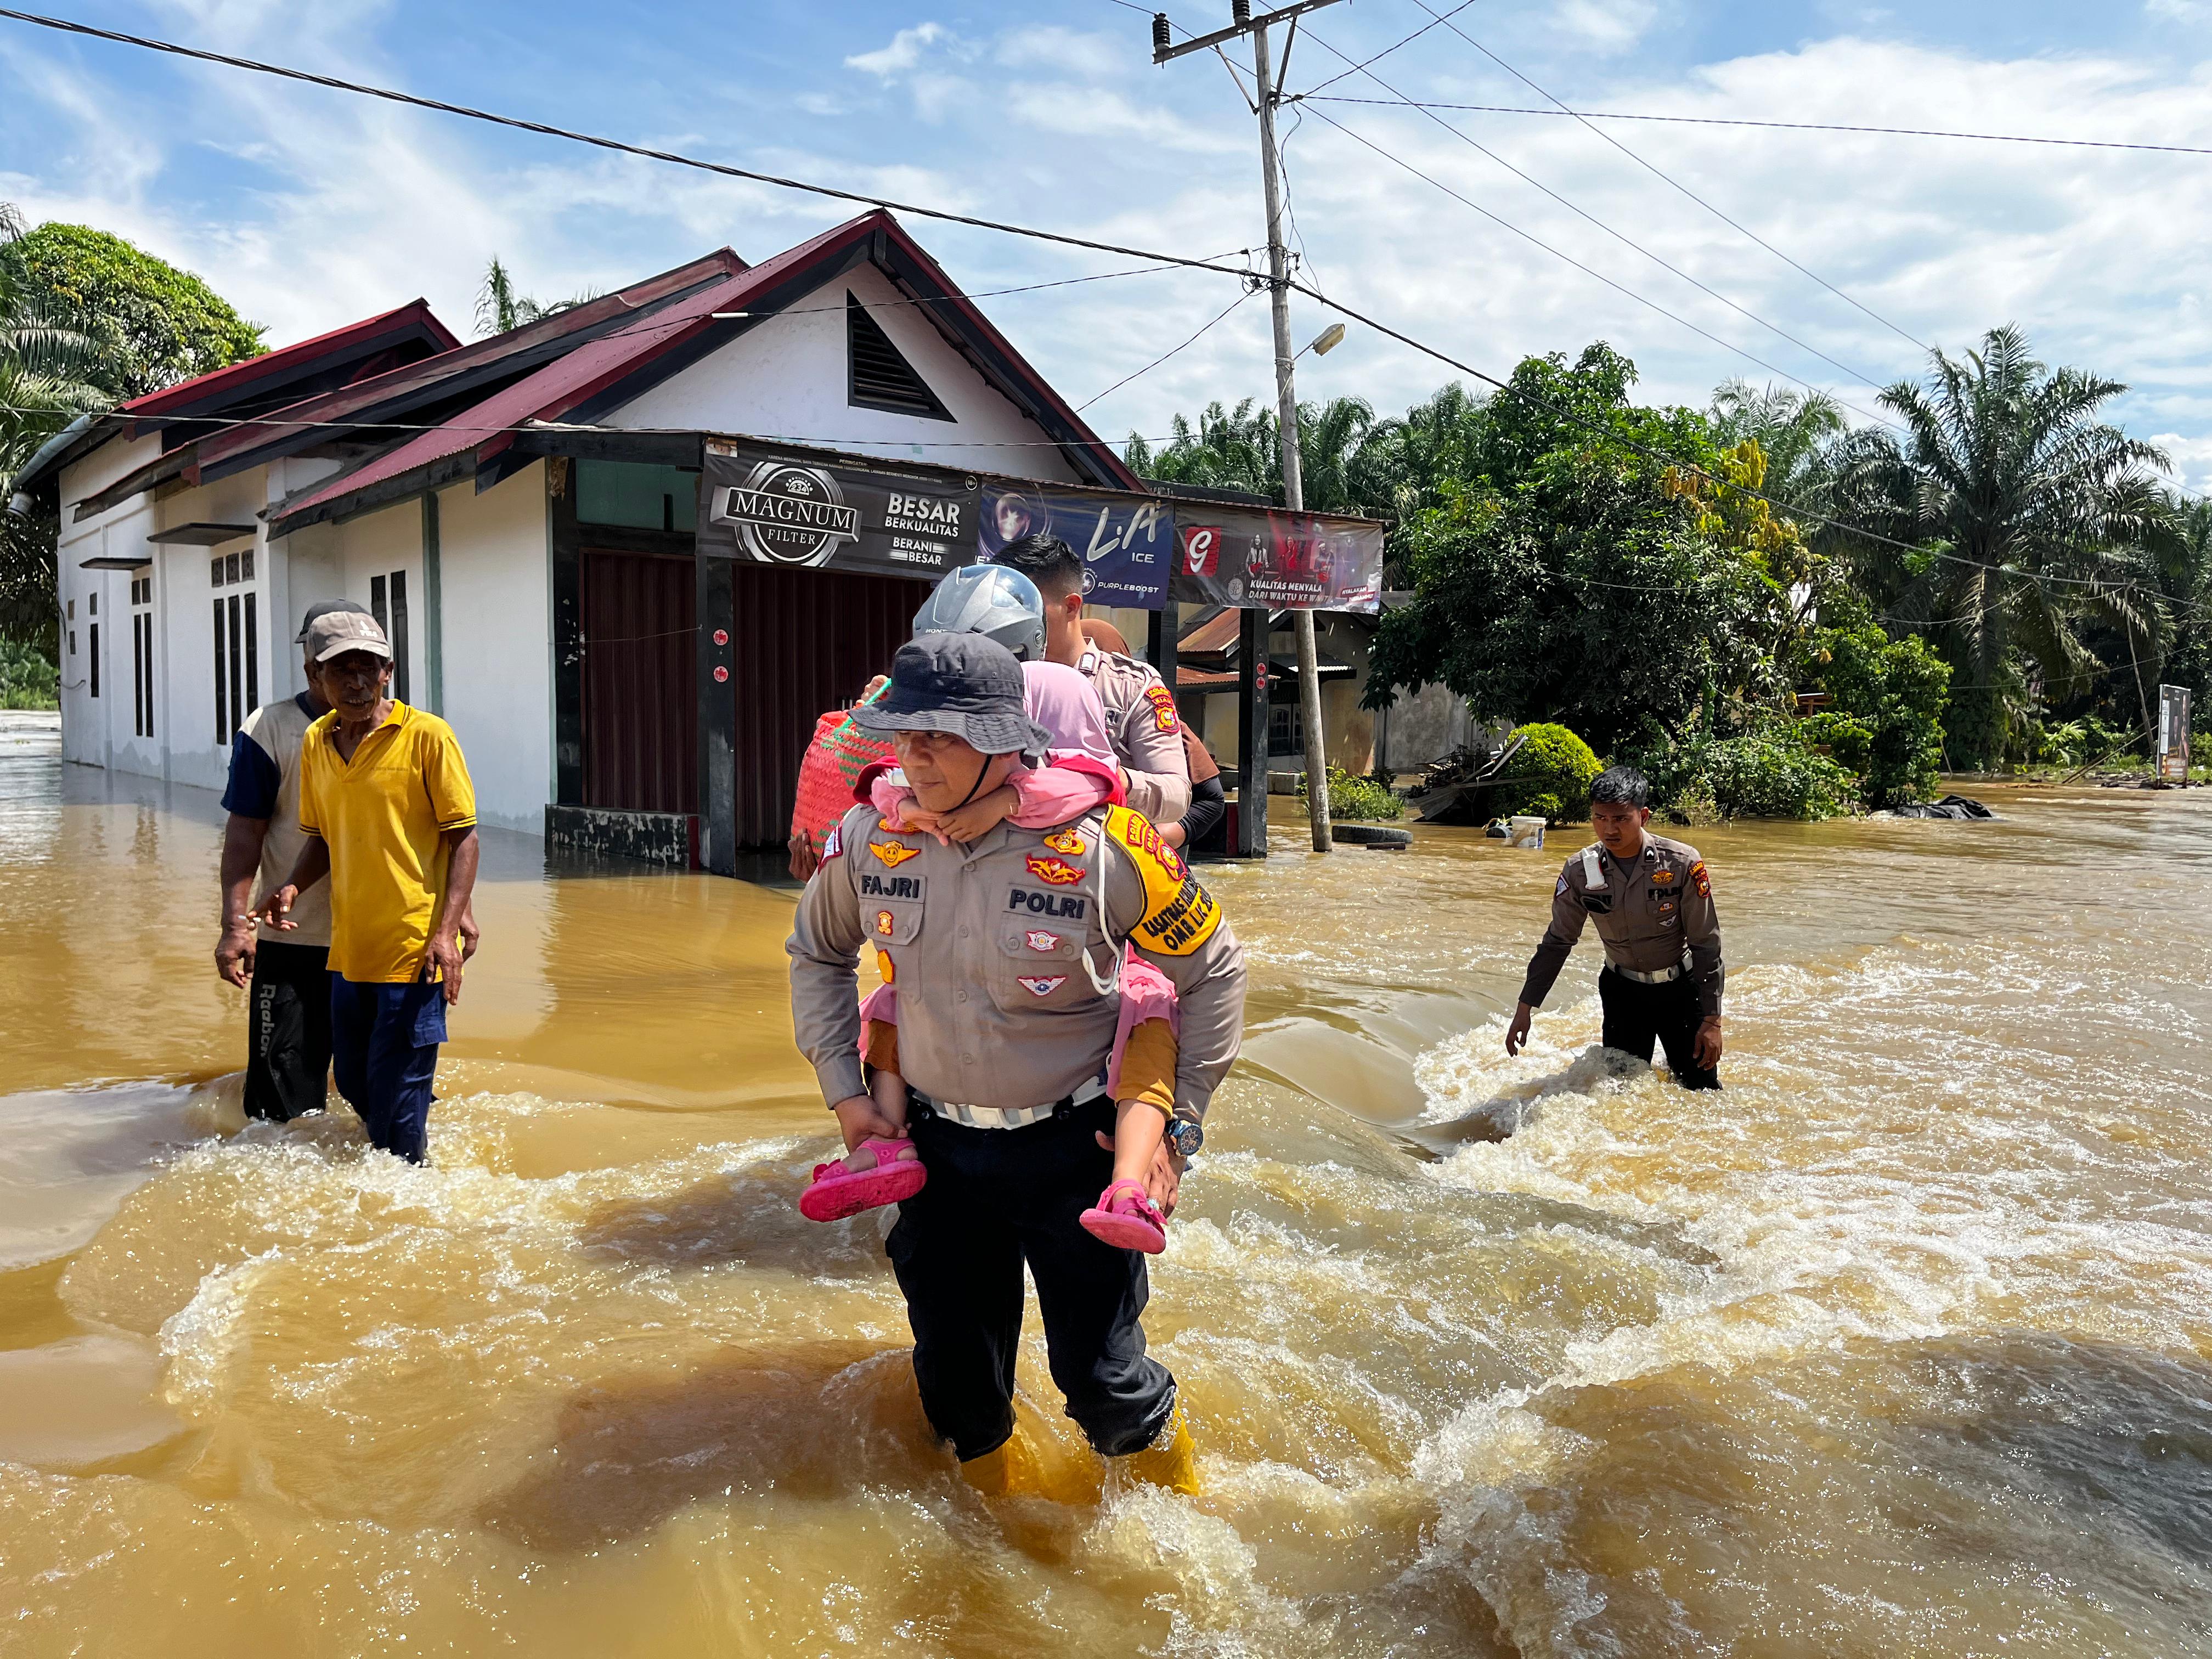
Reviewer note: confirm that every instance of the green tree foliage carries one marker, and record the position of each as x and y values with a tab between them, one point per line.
1566	575
1894	693
1356	799
1550	775
1343	454
157	325
27	676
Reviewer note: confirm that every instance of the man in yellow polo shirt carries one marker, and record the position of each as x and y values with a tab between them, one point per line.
390	817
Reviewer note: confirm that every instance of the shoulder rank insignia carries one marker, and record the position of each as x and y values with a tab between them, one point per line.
1059	873
1180	915
1067	840
894	853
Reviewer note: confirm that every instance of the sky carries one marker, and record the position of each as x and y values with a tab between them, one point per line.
308	208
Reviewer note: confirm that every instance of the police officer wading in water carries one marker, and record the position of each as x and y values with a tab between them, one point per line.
1653	904
1004	952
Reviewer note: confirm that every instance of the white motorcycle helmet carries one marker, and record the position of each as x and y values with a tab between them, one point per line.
989	599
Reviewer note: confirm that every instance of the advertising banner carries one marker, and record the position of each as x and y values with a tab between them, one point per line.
1128	543
2173	733
1260	558
800	508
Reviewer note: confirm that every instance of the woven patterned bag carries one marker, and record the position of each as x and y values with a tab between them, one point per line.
836	757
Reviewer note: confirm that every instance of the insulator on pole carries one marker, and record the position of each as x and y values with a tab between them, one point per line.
1240	13
1161	41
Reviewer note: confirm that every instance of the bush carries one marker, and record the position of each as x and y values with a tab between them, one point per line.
1551	774
1895	691
1355	799
1775	774
28	679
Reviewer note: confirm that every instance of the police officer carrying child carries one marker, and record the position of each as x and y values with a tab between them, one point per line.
1005	953
1653	903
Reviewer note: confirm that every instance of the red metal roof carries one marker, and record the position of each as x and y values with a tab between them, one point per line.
238	378
596	366
398	386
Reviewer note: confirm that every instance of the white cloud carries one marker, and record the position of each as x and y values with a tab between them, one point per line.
1065	51
1609	26
2178	11
903	55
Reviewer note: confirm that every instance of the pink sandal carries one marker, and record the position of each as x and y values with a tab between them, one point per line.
836	1192
1126	1218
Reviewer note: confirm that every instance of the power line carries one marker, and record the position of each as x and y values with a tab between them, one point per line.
1338	305
1587	271
1657	174
1168	353
672	157
1856	375
1434	20
1783	126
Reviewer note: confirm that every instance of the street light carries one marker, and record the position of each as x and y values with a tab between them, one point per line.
1326	340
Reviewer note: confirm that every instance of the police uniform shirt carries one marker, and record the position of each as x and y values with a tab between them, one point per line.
1141	719
987	944
1650	915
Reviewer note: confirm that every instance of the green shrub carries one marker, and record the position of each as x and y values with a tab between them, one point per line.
1352	799
1775	774
28	679
1896	690
1551	774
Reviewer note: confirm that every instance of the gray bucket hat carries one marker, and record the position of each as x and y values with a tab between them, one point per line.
964	683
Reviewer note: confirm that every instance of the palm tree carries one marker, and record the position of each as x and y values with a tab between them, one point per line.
1237	449
500	308
2029	512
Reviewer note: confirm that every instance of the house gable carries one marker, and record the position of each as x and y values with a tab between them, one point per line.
789	377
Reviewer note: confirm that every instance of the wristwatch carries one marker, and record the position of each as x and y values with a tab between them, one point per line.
1185	1136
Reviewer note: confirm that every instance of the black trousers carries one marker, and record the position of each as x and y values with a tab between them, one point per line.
288	1050
1637	1014
996	1199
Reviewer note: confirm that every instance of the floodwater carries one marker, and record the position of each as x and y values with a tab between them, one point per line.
1900	1345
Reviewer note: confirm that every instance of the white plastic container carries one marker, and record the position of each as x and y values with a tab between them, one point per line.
1526	832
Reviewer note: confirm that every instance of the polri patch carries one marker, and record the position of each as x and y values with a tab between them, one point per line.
893	852
1064	907
1042	987
1180	915
1067	840
1704	882
1058	872
874	886
1163	709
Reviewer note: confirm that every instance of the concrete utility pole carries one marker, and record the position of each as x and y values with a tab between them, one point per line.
1286	395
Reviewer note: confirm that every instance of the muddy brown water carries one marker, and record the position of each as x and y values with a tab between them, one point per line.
1901	1345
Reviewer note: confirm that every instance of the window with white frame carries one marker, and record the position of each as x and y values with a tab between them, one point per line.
141	654
237	641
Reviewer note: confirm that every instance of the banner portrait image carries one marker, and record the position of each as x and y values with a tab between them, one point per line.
1260	557
1126	542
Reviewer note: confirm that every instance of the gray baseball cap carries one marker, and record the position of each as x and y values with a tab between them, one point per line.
336	632
323	608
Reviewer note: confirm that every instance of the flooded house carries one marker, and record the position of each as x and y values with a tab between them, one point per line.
522	512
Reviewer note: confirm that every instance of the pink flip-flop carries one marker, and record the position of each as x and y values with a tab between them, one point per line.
1126	1218
836	1192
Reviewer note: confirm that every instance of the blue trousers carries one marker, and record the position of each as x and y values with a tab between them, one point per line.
384	1049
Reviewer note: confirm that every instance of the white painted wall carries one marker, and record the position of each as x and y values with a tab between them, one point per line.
787	378
496	564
